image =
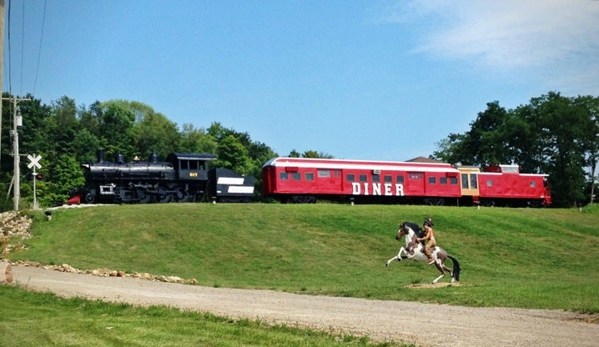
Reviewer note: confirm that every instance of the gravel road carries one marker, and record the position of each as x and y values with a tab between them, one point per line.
408	322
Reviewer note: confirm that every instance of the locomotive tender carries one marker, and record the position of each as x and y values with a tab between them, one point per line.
183	177
304	180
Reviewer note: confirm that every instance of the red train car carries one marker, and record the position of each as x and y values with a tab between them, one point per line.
305	180
505	185
308	179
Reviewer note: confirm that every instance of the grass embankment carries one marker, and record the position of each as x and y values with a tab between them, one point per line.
529	258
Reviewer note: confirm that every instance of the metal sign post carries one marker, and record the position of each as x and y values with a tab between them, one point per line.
34	163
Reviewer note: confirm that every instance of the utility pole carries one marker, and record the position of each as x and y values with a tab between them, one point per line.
2	2
17	122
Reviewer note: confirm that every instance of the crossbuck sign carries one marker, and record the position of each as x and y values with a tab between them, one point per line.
34	161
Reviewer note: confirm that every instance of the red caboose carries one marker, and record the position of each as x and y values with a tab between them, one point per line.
504	185
308	179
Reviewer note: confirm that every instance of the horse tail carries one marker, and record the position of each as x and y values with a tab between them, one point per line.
456	267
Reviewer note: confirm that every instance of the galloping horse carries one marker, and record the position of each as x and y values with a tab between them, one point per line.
414	250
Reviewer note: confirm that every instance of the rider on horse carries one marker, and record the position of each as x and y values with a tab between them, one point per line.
430	238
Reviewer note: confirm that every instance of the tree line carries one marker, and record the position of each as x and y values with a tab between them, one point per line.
67	135
552	134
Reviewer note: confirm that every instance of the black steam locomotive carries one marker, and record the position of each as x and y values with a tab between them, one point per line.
183	177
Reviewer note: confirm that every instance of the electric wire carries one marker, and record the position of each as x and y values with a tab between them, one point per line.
22	46
39	53
9	44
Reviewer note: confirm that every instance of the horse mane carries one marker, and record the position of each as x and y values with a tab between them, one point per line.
419	232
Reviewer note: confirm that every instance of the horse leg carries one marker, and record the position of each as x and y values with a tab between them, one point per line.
392	259
450	273
447	269
438	278
398	257
441	269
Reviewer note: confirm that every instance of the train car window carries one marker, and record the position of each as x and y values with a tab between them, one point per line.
296	176
489	183
399	179
453	180
376	178
337	173
363	178
284	176
465	181
443	180
184	164
388	179
309	176
351	177
533	184
415	175
432	180
324	173
473	183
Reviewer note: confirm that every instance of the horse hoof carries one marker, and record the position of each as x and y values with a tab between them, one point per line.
386	264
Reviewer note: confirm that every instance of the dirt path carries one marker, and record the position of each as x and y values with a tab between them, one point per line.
380	320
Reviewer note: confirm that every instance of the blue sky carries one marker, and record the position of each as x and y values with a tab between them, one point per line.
383	80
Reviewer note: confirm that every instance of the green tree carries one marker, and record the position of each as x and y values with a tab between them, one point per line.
37	135
63	177
117	134
156	134
233	155
450	150
590	106
486	143
316	154
194	140
564	124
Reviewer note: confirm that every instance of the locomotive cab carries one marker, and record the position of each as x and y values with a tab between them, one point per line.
191	167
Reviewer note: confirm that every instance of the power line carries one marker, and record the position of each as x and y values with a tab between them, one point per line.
9	60
22	45
39	54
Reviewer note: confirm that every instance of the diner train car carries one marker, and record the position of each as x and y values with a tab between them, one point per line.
305	180
183	177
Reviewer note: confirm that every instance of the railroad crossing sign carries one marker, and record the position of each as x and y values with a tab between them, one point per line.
34	161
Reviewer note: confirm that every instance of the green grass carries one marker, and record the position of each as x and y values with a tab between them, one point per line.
529	258
42	319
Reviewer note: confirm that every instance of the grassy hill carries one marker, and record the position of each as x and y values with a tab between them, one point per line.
529	258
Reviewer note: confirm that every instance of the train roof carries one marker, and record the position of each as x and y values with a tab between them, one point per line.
191	156
321	163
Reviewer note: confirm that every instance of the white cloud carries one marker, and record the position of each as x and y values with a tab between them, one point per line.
561	36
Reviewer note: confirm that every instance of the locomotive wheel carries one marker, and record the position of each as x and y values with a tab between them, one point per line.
143	196
164	196
181	196
90	198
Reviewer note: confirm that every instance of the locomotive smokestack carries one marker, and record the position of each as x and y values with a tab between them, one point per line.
100	156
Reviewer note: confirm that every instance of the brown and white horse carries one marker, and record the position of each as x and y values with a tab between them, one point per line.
414	250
